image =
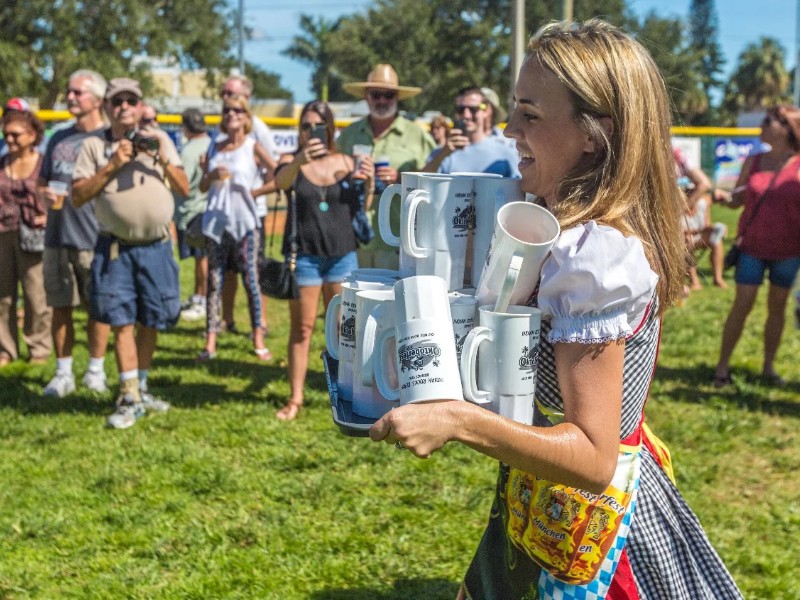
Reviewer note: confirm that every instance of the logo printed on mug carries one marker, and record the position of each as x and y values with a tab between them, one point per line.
464	219
529	359
347	331
418	355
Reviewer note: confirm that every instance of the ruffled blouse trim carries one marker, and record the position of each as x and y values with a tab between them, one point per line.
590	329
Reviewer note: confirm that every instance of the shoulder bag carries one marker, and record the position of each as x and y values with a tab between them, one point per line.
277	277
361	225
732	256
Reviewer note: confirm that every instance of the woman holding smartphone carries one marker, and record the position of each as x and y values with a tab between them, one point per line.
325	187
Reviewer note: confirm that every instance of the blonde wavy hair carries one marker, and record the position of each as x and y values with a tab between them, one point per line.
629	182
238	101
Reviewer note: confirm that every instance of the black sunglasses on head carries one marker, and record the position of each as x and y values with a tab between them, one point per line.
130	100
233	109
378	94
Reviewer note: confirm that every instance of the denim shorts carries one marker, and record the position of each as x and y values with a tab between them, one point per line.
184	249
139	285
750	270
316	270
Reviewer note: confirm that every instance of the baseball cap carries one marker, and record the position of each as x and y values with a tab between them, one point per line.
17	104
193	120
122	84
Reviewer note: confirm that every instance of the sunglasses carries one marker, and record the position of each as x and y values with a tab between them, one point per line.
461	109
378	94
769	119
233	109
117	101
310	126
75	92
14	134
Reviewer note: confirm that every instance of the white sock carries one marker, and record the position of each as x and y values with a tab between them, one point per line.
96	364
126	375
143	379
64	365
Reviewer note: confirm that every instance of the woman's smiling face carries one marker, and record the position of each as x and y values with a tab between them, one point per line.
549	140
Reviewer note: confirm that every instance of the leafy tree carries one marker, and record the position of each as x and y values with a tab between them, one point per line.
265	83
703	27
313	48
44	41
760	79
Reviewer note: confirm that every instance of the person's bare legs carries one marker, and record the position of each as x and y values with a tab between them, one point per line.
98	338
717	261
773	329
146	338
201	276
694	280
63	331
125	348
734	324
303	315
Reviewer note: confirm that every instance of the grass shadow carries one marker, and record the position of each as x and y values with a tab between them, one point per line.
749	391
403	589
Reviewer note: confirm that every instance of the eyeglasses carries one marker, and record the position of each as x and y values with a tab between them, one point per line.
378	94
310	126
768	119
14	134
461	109
76	92
130	101
233	109
148	121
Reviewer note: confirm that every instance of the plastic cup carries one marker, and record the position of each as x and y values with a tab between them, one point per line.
60	189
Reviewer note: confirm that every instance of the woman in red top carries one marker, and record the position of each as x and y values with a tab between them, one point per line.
769	232
22	259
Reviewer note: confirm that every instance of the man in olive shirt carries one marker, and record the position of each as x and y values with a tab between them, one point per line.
129	174
403	142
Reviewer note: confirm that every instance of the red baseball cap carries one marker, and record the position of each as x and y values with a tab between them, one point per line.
17	104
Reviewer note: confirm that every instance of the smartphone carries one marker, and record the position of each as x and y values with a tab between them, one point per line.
321	133
460	124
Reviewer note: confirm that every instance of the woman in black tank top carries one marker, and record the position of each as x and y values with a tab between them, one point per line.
326	185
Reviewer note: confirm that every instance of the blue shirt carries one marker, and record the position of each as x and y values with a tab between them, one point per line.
490	155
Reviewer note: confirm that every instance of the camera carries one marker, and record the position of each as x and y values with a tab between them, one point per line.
142	143
460	124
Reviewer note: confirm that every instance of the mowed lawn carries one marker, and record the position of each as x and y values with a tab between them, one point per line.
218	499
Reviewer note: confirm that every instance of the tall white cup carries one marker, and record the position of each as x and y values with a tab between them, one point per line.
462	312
499	361
409	181
438	241
340	331
490	196
374	315
425	350
525	230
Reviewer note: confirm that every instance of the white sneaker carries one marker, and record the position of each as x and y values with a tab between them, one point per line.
194	313
153	404
96	381
60	385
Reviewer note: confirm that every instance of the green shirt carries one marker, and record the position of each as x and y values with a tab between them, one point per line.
195	203
405	143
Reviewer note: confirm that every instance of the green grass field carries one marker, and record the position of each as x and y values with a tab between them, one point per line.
218	499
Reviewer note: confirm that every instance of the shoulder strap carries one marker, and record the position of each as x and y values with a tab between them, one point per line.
292	216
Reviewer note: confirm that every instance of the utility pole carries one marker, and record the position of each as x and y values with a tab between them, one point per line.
240	26
797	55
517	45
566	10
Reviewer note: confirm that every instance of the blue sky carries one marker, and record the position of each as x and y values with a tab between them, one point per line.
274	22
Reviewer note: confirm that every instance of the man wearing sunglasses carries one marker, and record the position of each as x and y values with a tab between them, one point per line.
71	235
404	143
131	175
471	147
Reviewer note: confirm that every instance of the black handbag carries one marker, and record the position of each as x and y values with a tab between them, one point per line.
276	277
732	255
361	225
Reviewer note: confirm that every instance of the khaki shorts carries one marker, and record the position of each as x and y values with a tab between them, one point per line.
67	276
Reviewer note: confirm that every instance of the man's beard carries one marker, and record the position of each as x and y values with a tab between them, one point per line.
383	113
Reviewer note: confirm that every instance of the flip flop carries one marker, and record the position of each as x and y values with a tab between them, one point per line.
205	356
263	353
288	412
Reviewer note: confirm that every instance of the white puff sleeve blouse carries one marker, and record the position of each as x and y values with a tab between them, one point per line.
596	285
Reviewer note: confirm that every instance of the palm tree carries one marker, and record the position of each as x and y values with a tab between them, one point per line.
313	48
760	79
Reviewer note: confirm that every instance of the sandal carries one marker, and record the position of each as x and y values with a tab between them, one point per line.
5	360
721	381
288	412
205	356
263	353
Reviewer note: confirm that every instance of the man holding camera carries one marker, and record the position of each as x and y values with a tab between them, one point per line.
471	147
131	175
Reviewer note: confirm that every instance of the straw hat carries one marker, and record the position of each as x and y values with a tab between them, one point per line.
382	77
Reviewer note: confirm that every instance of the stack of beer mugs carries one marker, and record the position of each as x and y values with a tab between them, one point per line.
452	323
